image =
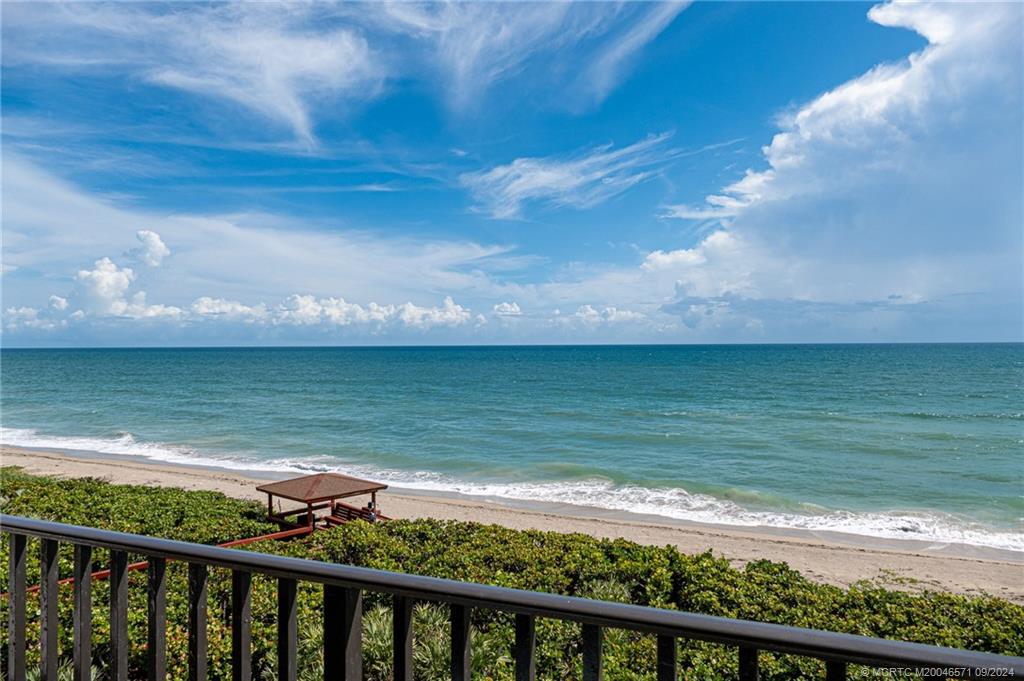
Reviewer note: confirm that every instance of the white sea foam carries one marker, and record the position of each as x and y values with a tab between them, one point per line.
671	503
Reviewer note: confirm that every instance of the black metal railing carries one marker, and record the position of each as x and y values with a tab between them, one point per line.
342	617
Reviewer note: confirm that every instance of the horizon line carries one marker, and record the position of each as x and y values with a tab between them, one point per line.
507	345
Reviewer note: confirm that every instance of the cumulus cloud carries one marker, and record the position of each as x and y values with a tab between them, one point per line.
25	317
151	249
902	184
591	316
104	286
309	310
507	309
232	310
449	314
868	128
582	180
342	313
136	307
102	291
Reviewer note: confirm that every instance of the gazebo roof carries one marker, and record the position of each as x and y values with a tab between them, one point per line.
321	487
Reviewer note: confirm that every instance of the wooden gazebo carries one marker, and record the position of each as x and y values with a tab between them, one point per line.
322	491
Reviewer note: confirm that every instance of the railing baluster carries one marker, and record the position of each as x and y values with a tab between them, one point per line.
156	650
287	630
241	623
593	662
82	626
118	616
835	671
402	625
343	623
667	666
16	622
49	569
748	664
526	641
196	622
460	643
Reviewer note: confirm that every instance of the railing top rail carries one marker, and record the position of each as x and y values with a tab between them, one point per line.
808	642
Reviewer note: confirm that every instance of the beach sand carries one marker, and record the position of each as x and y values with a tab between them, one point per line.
832	558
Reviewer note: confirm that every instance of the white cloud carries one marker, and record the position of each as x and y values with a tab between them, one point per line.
152	250
870	126
103	291
275	60
232	310
591	316
890	204
890	196
475	45
24	317
449	314
507	309
137	308
300	310
606	70
243	257
29	318
283	61
103	288
308	310
582	180
717	207
339	312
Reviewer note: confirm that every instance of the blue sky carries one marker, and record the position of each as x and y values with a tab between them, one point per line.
322	173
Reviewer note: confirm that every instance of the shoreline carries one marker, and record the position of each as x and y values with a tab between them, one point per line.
828	557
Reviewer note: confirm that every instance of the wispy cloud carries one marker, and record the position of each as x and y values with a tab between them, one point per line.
716	207
286	61
582	180
476	45
275	60
608	68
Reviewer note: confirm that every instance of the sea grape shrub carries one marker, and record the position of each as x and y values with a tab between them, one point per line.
570	564
198	516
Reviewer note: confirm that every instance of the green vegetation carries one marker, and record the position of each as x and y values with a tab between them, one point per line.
545	561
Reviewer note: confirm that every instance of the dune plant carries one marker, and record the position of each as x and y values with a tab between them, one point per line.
570	564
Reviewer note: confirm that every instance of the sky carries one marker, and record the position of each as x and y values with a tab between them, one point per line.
477	173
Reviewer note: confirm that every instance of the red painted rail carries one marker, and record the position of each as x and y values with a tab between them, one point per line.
100	575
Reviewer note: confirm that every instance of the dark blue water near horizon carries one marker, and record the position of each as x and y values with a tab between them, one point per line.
908	441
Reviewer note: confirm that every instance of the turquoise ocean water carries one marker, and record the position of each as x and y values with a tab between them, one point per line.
906	441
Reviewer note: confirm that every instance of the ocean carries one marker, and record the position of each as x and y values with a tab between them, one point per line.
921	442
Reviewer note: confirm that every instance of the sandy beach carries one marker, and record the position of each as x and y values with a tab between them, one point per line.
831	558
